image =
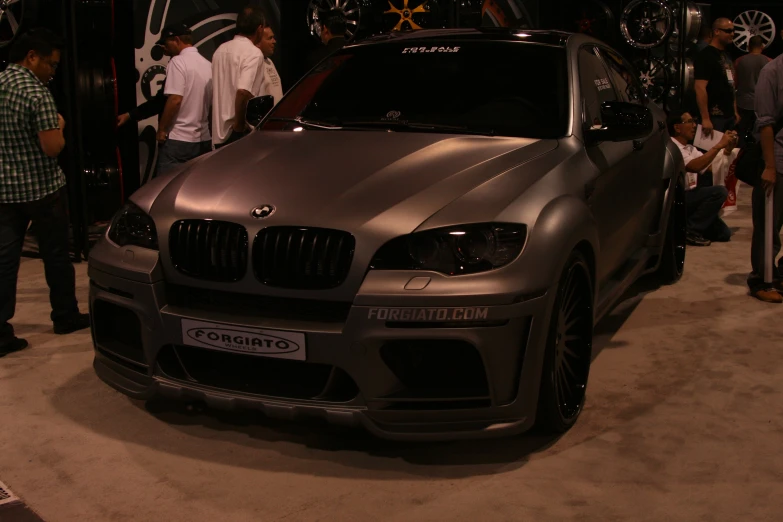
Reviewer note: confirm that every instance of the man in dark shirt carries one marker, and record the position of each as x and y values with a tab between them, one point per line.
332	36
155	105
32	184
714	85
748	68
152	107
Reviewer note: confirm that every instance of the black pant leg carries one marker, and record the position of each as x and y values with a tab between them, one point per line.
756	277
745	125
13	226
703	205
51	224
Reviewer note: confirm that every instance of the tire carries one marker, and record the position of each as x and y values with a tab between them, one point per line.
568	350
673	252
25	13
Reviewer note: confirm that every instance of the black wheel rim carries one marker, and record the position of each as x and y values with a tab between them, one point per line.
679	218
573	342
10	20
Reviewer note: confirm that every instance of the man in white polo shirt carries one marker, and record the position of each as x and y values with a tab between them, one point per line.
703	202
237	75
183	132
271	84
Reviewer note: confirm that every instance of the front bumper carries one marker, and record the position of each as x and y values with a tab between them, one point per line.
407	379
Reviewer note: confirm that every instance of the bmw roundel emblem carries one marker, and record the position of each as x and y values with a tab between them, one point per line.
264	211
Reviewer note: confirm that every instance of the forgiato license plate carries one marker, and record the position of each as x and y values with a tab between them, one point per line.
243	339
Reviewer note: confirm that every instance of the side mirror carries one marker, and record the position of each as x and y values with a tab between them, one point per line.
621	121
258	108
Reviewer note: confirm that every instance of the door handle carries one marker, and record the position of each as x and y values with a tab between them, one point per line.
638	144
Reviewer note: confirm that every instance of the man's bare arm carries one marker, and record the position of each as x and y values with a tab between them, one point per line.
170	112
766	108
701	100
240	106
702	162
53	140
705	160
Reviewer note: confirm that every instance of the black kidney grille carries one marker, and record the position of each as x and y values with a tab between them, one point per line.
213	250
304	258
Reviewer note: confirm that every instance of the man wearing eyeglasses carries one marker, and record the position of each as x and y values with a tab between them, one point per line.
703	202
714	73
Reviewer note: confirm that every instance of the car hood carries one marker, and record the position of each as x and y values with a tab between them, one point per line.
384	182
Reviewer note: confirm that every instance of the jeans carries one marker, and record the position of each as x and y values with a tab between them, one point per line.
234	136
174	153
703	205
50	217
757	261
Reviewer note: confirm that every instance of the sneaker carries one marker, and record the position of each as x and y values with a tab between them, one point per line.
75	323
768	295
694	239
14	345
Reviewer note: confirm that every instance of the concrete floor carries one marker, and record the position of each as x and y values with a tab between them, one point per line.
684	421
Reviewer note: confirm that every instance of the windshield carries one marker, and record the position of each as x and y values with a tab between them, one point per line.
493	88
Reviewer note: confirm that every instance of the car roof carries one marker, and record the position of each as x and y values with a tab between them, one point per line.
497	34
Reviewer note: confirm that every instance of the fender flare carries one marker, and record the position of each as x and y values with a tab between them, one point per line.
564	224
673	168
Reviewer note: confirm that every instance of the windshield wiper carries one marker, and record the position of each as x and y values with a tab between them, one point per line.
336	124
317	124
418	125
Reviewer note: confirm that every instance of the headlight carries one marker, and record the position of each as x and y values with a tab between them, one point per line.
131	226
455	250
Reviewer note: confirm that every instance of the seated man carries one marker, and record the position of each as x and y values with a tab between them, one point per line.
703	203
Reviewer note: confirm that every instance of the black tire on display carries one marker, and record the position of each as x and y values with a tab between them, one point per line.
16	16
673	253
591	17
568	349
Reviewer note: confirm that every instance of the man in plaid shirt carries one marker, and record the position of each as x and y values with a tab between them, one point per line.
31	183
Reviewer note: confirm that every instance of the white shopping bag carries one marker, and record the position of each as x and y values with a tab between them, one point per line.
723	174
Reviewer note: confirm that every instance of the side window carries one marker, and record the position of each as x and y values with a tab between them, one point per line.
595	86
624	77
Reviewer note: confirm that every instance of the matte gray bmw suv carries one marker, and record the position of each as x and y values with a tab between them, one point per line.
418	239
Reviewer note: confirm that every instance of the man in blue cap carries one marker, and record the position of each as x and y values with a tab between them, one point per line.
154	106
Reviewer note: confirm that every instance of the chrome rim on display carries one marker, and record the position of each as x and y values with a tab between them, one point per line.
750	24
646	23
10	20
654	76
693	21
351	10
689	79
